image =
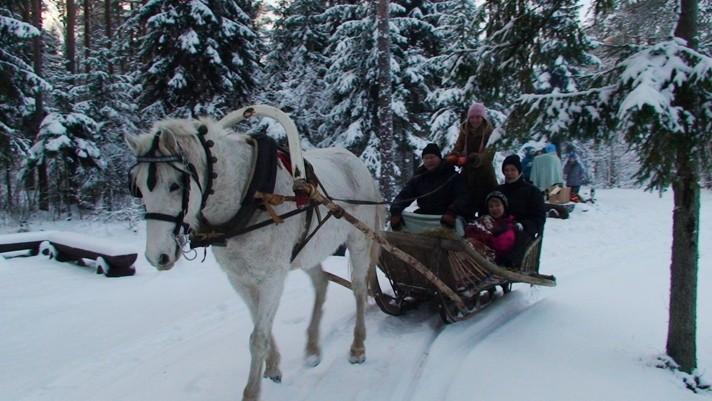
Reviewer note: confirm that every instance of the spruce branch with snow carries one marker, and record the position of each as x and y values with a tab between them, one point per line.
639	97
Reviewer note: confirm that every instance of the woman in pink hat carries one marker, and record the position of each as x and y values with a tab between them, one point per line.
471	148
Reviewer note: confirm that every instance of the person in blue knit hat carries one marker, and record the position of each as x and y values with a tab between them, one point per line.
547	169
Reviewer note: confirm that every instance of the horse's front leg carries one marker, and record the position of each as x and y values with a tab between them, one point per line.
262	300
359	252
320	282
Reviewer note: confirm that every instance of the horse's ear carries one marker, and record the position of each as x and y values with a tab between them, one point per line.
133	143
170	142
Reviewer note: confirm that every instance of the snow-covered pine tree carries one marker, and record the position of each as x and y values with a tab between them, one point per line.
296	64
502	49
19	83
66	139
460	28
530	46
106	96
351	97
637	22
660	98
18	87
198	57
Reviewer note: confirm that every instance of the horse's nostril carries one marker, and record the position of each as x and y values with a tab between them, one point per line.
163	259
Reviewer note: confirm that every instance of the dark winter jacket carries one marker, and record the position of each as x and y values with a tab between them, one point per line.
479	175
573	171
526	204
425	182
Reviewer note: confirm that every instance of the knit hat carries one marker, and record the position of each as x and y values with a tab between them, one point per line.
432	149
550	148
497	195
477	109
514	161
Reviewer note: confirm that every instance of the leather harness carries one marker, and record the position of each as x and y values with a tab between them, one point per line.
258	195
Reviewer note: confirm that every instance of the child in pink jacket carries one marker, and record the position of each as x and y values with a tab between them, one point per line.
495	230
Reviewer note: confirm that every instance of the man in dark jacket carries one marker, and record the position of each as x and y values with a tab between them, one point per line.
526	204
435	186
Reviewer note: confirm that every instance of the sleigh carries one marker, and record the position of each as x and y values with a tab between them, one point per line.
457	270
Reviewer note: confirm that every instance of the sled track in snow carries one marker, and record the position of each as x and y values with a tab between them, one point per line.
451	344
408	357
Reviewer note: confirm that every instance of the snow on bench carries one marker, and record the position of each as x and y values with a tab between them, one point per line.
114	260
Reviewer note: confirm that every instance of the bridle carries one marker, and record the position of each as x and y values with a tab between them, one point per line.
187	171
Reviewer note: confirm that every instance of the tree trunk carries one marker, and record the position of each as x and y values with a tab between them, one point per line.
37	59
8	186
682	324
87	34
108	29
70	41
385	114
43	187
687	23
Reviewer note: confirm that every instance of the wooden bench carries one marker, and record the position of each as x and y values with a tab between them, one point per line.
111	260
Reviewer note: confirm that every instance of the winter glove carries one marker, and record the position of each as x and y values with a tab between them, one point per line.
396	222
488	222
474	159
448	219
518	227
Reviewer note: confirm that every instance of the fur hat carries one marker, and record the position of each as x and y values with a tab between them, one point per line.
432	149
497	195
514	161
477	109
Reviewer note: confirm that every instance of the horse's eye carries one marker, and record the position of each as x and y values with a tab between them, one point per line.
174	187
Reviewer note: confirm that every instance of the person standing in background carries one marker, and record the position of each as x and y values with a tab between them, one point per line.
574	173
471	147
547	169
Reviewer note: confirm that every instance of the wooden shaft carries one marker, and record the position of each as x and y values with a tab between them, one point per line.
338	211
338	280
531	278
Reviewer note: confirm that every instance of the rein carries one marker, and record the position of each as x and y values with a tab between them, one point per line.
258	194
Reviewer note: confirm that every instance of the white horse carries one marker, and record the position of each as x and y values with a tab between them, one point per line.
256	263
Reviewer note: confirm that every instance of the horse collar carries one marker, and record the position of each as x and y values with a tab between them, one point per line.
210	161
262	178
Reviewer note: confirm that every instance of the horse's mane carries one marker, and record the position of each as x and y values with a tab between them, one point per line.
179	136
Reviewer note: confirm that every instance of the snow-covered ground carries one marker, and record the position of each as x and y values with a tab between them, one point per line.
69	334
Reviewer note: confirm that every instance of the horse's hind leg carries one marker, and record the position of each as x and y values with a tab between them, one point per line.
320	282
359	253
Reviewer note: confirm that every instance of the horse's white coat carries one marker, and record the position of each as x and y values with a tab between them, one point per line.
257	263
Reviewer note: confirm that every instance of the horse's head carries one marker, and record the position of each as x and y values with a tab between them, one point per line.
167	176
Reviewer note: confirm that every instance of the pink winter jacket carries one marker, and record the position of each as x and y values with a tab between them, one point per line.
503	236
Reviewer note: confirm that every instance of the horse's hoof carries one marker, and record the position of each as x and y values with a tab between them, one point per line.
275	377
312	360
357	357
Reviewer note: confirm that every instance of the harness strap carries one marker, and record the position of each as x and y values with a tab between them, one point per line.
219	239
306	238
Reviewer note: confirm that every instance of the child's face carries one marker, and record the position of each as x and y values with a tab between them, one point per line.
496	208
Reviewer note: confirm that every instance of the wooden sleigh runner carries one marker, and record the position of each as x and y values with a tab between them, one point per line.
456	264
